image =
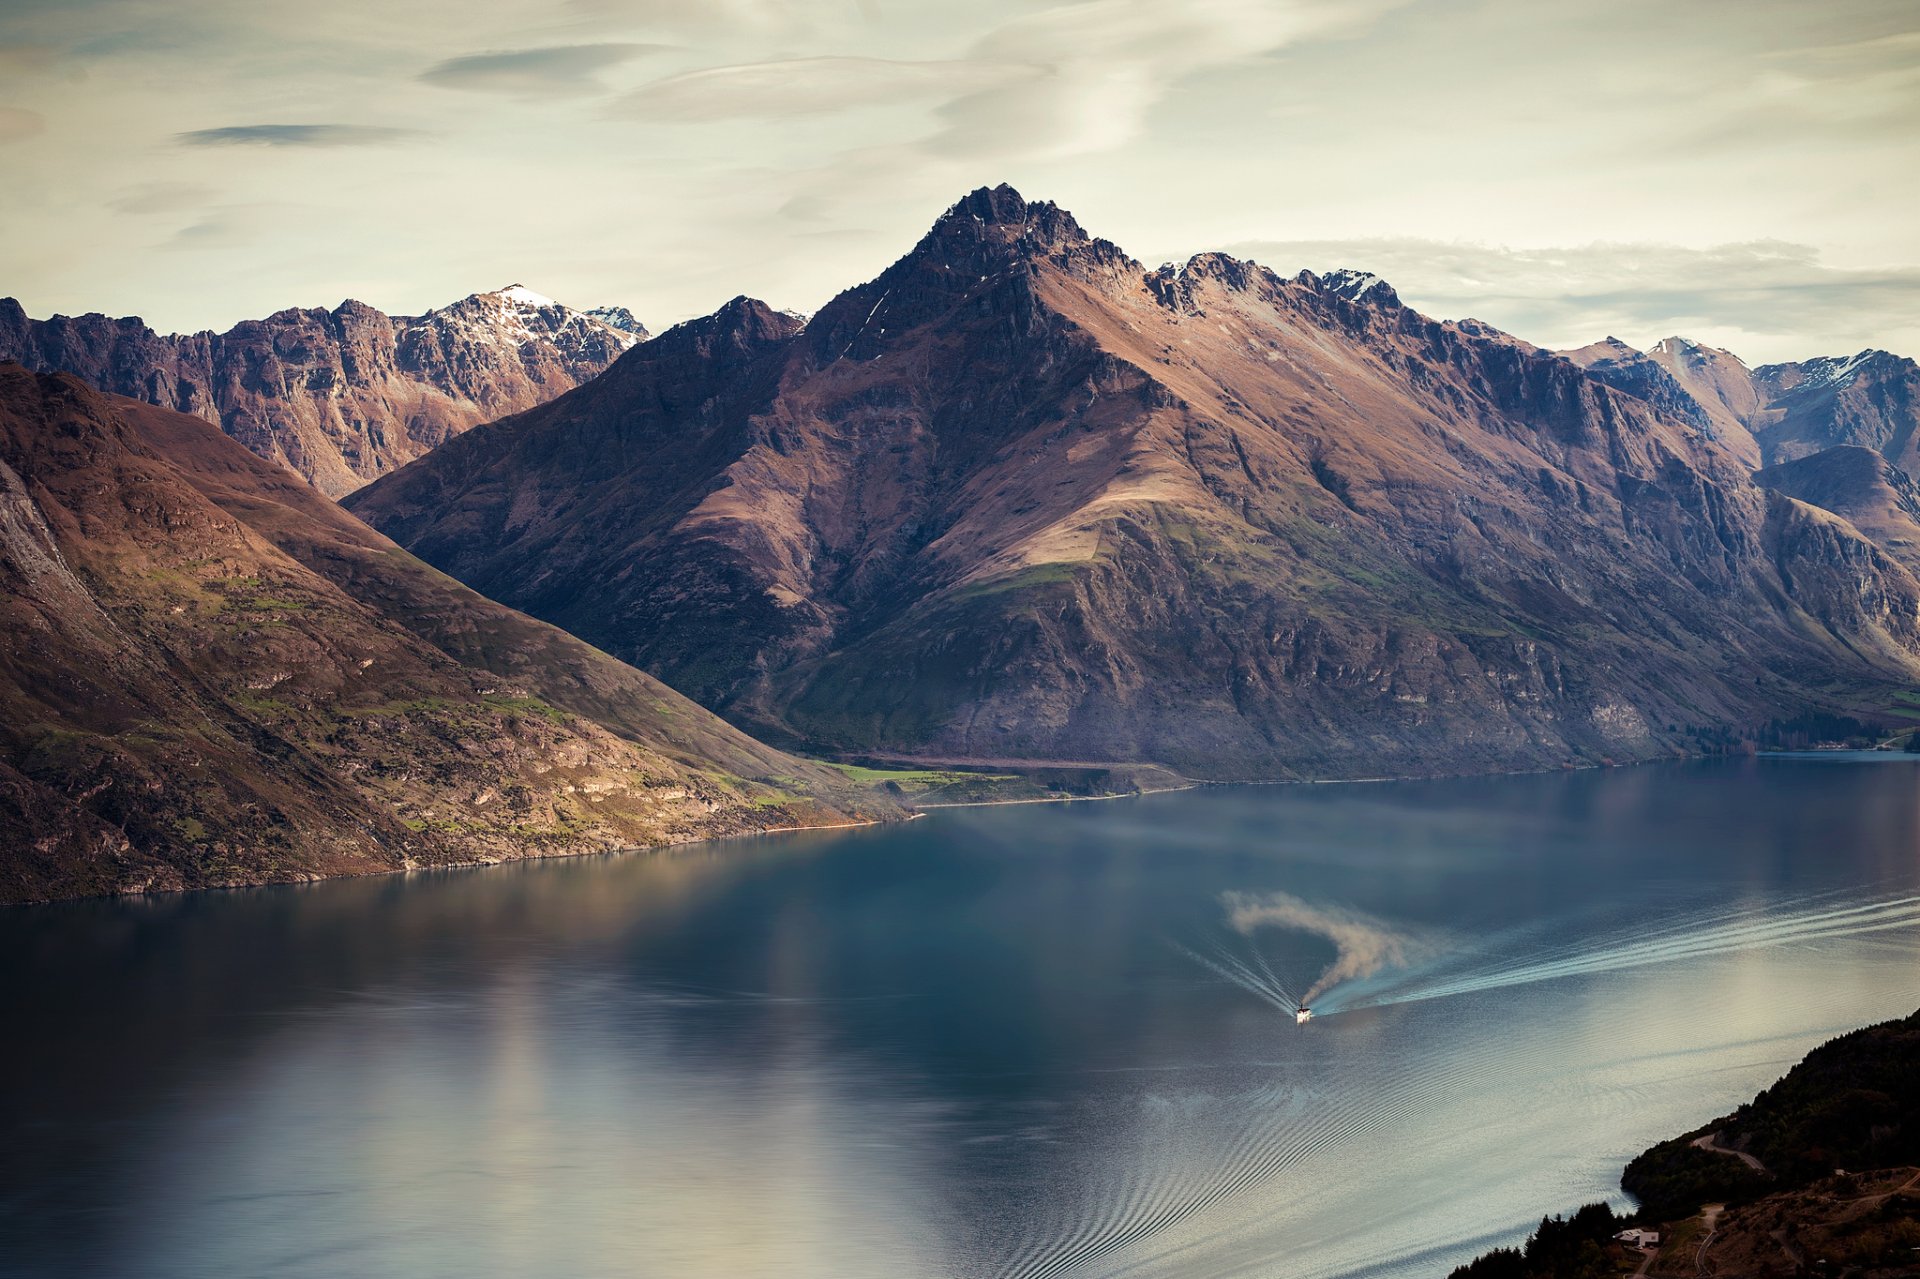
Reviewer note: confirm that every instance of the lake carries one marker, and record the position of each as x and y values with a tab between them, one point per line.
1006	1042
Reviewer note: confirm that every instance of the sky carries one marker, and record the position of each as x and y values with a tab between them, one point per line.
1742	174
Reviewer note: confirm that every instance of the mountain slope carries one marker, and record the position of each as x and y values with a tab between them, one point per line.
345	395
1705	385
211	675
1019	497
1859	485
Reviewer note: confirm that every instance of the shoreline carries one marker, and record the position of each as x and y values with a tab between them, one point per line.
913	812
478	863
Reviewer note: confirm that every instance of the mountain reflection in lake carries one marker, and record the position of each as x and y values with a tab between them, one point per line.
975	1045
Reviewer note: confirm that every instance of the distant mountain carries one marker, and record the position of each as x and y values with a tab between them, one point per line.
1707	386
1871	400
1020	497
210	674
1794	410
345	395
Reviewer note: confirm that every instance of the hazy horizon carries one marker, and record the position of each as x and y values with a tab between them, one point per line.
1639	171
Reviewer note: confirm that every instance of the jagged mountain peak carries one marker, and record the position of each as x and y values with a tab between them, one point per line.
1839	370
1359	286
744	326
344	394
1684	348
525	296
992	226
618	317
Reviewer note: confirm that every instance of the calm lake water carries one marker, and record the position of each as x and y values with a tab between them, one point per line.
998	1042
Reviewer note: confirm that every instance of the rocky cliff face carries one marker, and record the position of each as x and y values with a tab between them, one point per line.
345	395
1019	497
210	674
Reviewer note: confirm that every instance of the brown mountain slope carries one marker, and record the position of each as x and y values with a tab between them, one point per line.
1702	384
1871	493
344	395
1020	498
211	675
1719	381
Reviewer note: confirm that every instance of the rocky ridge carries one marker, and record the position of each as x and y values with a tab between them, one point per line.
339	396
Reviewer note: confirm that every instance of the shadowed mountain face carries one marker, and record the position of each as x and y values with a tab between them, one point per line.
345	395
210	674
1020	497
1860	486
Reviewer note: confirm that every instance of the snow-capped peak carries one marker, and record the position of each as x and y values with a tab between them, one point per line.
524	296
618	317
1357	286
1834	370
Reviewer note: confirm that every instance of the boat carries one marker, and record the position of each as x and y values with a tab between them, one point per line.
1302	1015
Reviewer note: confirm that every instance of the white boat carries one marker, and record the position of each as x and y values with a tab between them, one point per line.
1302	1015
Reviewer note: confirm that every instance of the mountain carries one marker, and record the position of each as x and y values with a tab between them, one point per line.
339	396
210	675
1707	386
1871	493
1020	497
1871	400
1793	410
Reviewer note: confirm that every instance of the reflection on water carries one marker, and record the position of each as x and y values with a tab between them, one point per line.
977	1045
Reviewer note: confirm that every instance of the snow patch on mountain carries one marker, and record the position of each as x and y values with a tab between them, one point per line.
1832	371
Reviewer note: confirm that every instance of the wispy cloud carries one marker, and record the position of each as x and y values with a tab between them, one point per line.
802	86
1066	80
553	71
18	124
160	197
27	58
1089	74
1766	289
297	135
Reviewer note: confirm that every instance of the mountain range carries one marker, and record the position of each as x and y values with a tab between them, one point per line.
1018	500
339	396
211	675
1022	497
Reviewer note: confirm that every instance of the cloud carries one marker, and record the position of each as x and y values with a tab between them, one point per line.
781	20
160	197
296	135
800	86
1769	292
1067	80
27	58
566	70
18	124
1092	72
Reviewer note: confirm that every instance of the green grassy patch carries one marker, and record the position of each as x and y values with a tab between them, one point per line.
1031	577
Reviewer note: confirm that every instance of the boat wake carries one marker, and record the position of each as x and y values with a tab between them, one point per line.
1683	939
